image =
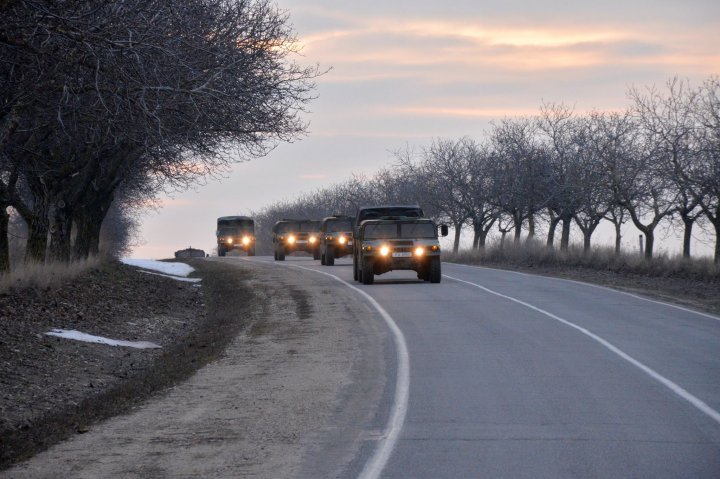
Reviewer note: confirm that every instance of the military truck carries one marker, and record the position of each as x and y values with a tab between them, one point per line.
374	212
397	243
235	233
336	238
289	235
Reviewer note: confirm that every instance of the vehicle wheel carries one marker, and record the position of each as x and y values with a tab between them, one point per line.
435	273
251	251
316	254
281	256
322	259
356	274
368	276
330	257
221	250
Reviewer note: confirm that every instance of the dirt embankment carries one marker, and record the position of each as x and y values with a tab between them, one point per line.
53	388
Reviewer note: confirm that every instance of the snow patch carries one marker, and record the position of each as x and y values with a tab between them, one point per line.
175	269
178	278
89	338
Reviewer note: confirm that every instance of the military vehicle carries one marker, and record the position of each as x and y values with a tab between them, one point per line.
336	238
374	212
290	235
235	233
396	243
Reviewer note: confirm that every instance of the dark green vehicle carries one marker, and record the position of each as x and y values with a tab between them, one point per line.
235	233
396	243
289	236
336	238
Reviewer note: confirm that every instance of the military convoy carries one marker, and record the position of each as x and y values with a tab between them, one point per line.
380	239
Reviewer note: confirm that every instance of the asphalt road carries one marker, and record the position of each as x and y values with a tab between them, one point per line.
514	375
489	374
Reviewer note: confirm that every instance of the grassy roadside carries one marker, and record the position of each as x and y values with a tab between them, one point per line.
56	388
692	283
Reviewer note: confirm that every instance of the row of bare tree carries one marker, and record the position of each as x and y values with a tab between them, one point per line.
113	101
657	161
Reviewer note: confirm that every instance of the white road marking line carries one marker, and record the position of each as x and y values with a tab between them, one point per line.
386	442
699	404
592	285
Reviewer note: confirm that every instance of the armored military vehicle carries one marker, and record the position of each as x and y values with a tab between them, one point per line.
290	235
396	243
235	233
374	212
336	238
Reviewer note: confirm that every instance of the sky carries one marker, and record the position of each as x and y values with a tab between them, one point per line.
405	72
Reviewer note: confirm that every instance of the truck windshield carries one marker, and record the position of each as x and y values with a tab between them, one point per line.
282	228
417	230
337	226
306	227
381	231
231	227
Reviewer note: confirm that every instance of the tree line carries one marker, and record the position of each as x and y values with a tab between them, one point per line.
107	103
657	161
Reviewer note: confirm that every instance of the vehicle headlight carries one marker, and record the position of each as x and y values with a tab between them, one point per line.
229	240
313	239
384	250
329	238
419	251
291	239
435	247
368	248
342	240
246	240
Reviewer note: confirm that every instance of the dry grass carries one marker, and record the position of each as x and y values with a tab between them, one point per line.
46	275
537	255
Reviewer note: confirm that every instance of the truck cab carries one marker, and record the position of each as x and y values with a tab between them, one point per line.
235	233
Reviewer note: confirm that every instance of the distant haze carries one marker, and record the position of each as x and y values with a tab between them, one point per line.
405	72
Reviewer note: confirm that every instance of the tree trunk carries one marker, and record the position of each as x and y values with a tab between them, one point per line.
517	223
565	238
88	223
687	235
476	237
4	242
456	242
60	232
618	237
551	230
531	227
649	242
716	224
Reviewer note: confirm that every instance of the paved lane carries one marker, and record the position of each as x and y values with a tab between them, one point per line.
498	389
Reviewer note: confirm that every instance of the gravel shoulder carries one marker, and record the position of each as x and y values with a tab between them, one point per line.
297	372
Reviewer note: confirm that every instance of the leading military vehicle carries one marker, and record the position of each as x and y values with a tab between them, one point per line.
397	243
235	233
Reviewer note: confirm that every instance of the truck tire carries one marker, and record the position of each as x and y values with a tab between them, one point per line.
251	251
330	257
356	274
435	271
368	276
280	254
316	254
322	259
221	250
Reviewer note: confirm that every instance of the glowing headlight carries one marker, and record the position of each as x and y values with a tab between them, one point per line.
246	240
419	251
384	250
328	238
291	239
435	247
368	248
229	241
313	239
342	240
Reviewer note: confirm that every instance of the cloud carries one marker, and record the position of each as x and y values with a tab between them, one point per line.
313	176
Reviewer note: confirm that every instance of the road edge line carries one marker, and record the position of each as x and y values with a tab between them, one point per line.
375	465
593	285
675	388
